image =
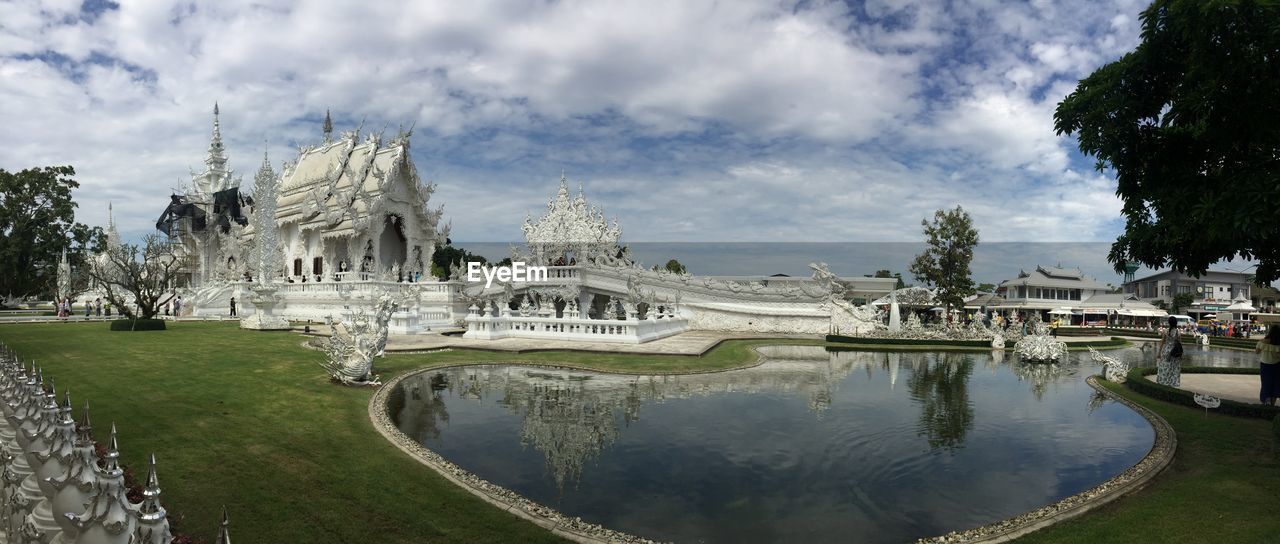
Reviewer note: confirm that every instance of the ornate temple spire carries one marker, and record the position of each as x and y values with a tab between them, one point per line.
217	159
328	127
113	237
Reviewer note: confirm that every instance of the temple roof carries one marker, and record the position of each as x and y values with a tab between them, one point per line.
338	186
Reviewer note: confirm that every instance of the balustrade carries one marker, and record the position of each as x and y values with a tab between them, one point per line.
631	330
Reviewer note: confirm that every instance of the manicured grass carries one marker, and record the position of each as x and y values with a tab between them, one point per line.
249	420
1222	487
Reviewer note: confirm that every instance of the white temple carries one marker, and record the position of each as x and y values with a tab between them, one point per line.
354	223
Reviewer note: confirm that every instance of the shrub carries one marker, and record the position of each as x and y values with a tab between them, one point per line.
137	325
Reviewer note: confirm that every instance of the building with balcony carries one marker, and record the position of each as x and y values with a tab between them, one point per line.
1210	293
1048	288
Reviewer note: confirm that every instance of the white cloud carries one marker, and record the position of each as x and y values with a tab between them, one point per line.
762	120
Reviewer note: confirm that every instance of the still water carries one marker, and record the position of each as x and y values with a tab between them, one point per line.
812	445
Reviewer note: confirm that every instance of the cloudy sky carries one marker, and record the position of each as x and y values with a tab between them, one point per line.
689	121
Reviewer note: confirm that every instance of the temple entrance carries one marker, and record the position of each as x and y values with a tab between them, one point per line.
392	248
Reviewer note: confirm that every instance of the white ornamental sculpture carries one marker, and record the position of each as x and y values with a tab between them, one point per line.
64	277
572	226
1040	347
109	517
353	345
267	240
1112	369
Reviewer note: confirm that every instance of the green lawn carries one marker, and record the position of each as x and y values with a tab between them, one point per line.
249	420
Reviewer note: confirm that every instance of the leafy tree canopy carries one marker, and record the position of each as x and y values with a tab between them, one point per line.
447	255
673	266
944	264
37	222
1190	124
887	274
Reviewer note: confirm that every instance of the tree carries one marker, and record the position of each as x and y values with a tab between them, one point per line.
131	277
447	255
1187	121
1181	301
944	264
37	222
987	287
672	266
887	274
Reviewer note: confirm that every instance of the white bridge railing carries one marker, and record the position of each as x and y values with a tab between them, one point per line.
626	331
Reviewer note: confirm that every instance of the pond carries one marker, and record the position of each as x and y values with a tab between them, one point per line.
812	445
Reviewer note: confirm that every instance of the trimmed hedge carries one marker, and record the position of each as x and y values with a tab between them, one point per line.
1222	341
908	341
137	325
836	338
1079	331
1137	381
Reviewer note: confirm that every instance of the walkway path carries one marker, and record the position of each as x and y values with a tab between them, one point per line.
1237	387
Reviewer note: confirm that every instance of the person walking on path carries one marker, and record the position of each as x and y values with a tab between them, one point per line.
233	306
1169	356
1269	347
177	307
97	306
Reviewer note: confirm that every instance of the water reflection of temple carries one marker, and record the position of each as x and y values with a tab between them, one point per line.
571	416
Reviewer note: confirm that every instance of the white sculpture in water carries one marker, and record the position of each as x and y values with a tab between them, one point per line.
1039	346
354	344
1112	369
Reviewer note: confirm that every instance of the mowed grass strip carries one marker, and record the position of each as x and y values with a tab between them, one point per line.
249	419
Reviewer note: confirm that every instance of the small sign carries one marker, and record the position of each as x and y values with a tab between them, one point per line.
1207	401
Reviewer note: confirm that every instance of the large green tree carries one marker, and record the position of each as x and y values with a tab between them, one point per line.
37	222
944	264
1190	124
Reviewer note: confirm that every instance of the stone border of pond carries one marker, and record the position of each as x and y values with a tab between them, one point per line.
1134	478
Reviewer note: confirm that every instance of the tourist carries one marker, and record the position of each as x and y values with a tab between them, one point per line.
177	307
233	306
1169	356
166	307
88	308
1269	347
97	306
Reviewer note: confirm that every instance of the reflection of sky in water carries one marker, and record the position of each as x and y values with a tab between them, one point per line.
810	446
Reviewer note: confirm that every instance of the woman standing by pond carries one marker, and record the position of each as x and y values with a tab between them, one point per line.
1169	356
1269	347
